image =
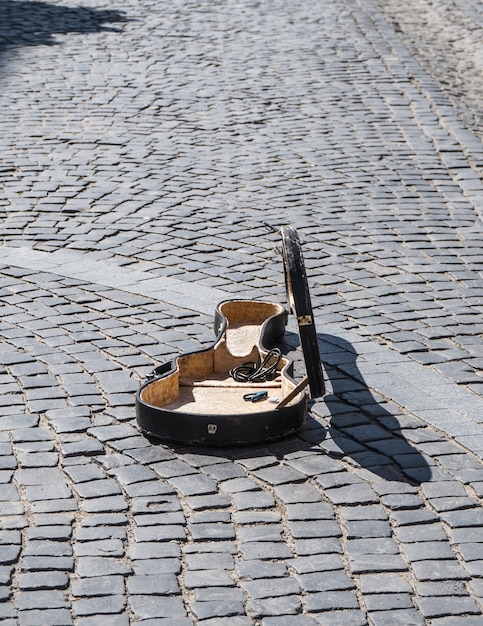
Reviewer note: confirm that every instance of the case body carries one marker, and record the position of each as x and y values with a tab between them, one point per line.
198	399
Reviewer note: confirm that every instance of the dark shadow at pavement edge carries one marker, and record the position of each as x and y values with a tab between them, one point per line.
24	23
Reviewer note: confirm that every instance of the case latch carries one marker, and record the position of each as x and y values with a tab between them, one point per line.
305	320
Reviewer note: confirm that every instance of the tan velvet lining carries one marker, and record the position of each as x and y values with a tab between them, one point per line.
202	384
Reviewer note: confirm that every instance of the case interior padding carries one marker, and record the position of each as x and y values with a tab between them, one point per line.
201	383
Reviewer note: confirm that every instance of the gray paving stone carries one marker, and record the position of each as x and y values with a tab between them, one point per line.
98	586
316	563
367	530
436	570
338	618
112	604
208	547
105	504
56	533
270	607
45	492
471	551
82	447
214	501
330	600
154	550
408	617
271	587
56	617
265	550
155	566
35	477
171	518
372	546
88	567
54	506
207	610
464	518
10	537
309	511
162	503
364	563
441	606
110	620
253	500
210	594
8	611
297	493
194	485
443	588
256	569
162	584
420	533
388	601
325	581
43	580
327	545
106	547
239	485
397	502
412	517
462	535
131	474
279	475
257	517
13	508
266	532
41	599
85	472
47	563
148	607
207	578
47	548
148	488
381	583
474	568
102	521
353	494
442	505
314	529
166	532
211	531
296	620
428	550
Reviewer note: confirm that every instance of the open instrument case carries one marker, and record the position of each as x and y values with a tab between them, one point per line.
241	390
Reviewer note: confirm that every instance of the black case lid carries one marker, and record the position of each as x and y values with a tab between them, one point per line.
298	296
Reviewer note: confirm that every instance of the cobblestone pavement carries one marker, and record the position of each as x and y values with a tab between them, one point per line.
143	151
447	38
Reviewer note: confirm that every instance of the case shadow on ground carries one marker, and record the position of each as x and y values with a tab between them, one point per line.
361	426
350	423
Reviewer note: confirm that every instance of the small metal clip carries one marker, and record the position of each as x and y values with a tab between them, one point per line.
255	396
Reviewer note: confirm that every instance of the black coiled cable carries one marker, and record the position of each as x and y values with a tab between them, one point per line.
253	373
